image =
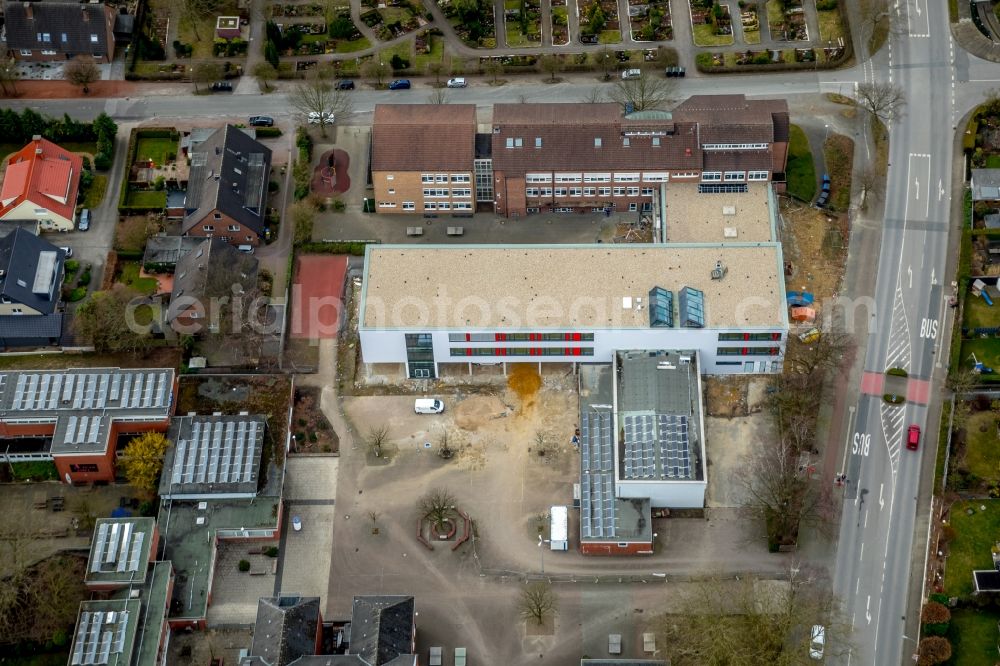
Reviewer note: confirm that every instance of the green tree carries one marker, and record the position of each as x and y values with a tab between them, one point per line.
303	216
142	461
271	53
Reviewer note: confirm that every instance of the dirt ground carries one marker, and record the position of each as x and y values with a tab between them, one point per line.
312	430
200	647
726	396
814	242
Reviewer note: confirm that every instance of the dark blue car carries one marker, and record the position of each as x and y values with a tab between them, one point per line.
399	84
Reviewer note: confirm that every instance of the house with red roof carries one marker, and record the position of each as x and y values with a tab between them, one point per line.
41	184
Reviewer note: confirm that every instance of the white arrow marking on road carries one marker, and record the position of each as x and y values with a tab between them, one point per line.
909	272
868	613
933	280
917	7
916	183
940	190
881	502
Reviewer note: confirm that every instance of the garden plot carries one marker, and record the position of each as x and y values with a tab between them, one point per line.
711	24
560	23
750	20
473	22
787	20
313	29
599	18
522	22
392	18
650	21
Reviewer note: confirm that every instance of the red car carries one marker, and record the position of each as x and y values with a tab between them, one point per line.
913	437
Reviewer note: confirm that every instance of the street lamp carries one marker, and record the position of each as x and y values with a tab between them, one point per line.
542	550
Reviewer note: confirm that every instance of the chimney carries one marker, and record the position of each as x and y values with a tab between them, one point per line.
86	14
28	13
687	152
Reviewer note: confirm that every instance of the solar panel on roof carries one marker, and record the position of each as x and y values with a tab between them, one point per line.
105	653
109	555
120	632
133	564
99	545
95	630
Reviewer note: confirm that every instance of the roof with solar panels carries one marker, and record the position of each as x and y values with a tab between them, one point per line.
120	551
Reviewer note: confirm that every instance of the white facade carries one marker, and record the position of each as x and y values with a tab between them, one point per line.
47	220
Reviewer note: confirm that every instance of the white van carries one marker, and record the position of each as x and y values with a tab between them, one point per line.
248	249
631	74
428	406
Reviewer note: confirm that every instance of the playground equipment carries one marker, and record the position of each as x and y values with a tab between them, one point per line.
980	288
978	367
803	314
799	298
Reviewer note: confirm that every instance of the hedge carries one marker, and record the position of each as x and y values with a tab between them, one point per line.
268	132
354	248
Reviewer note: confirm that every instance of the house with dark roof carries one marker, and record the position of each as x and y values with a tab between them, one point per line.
383	630
203	277
571	157
287	627
422	158
42	182
59	30
31	272
985	184
226	195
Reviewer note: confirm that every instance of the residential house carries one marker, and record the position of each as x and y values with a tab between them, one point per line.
226	194
287	628
422	158
59	30
74	418
383	630
163	252
42	183
213	271
31	272
572	157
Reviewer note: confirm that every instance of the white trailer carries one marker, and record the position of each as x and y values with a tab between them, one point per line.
559	528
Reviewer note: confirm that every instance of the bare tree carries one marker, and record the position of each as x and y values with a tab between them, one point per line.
644	92
445	448
825	353
493	68
265	73
436	506
206	72
457	67
303	216
438	96
196	10
317	98
377	437
82	71
436	68
778	491
537	602
875	21
753	621
541	443
376	70
603	58
871	183
374	516
594	95
551	65
883	100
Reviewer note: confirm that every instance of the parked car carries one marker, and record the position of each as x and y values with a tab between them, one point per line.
246	249
817	641
346	84
457	83
826	182
68	251
913	437
327	116
296	523
428	406
84	222
399	84
222	86
588	39
631	73
261	121
824	198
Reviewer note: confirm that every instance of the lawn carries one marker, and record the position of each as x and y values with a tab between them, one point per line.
129	276
89	147
610	37
987	350
980	315
774	15
50	659
983	446
95	193
704	35
146	198
156	149
751	36
359	44
993	161
801	172
421	60
975	535
973	635
830	28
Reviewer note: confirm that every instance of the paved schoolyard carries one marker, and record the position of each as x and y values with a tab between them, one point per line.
317	295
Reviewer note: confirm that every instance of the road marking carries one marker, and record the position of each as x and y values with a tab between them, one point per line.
862	555
881	502
927	203
847	443
940	188
933	280
916	184
868	612
909	272
866	527
857	587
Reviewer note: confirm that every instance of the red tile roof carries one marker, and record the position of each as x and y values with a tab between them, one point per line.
44	174
415	137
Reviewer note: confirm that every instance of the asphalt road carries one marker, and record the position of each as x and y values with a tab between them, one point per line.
876	553
876	550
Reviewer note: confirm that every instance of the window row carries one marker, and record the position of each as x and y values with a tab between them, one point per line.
588	191
462	192
522	351
750	337
734	146
443	178
520	337
748	351
631	177
444	205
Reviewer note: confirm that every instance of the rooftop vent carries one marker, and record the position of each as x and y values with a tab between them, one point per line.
719	271
729	210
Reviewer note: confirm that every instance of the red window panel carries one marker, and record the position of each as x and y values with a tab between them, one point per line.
567	336
773	351
746	351
576	350
746	337
576	337
468	337
776	336
468	350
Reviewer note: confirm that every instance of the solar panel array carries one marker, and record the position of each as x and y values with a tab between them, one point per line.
98	635
113	389
640	452
117	548
675	446
218	452
83	430
597	482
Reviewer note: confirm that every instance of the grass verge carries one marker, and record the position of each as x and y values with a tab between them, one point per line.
94	195
973	634
838	153
800	172
704	36
974	536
